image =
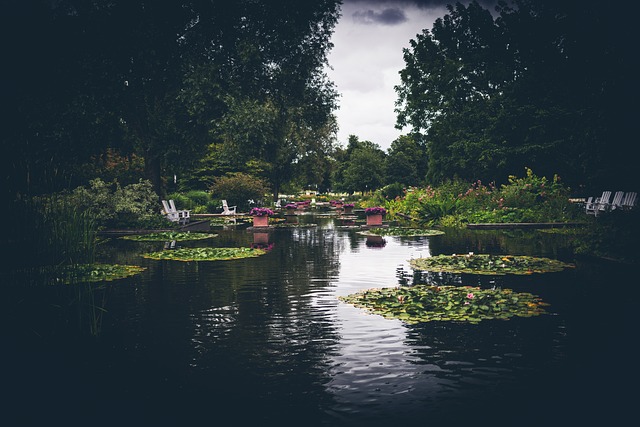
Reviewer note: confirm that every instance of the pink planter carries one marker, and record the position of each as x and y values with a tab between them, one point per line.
261	221
375	219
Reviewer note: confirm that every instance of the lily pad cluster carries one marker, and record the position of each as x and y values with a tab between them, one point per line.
295	225
488	264
164	236
205	254
427	303
400	231
90	273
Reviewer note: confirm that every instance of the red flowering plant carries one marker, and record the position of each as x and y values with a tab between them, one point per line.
348	205
376	210
261	212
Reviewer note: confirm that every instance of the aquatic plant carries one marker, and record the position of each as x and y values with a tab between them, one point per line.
427	303
92	273
164	236
488	264
400	231
205	254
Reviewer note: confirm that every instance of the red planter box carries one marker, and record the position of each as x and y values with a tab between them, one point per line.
261	221
375	219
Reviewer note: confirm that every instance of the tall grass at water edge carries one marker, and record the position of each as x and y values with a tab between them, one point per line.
47	238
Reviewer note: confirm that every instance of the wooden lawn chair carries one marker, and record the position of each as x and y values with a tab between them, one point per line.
170	212
183	214
629	201
601	204
228	210
616	203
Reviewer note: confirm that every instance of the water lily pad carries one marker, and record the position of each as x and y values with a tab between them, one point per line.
294	225
488	264
427	303
89	273
179	236
205	254
400	231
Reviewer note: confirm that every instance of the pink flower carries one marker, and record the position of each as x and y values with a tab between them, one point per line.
470	295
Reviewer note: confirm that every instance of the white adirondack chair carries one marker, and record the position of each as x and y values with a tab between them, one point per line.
170	212
616	203
228	210
629	201
183	214
601	204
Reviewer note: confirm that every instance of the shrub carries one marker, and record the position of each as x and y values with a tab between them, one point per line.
392	191
113	206
198	198
238	189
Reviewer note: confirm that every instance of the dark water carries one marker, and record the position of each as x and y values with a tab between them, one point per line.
265	340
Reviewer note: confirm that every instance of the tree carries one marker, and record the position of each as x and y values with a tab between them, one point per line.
362	167
280	110
542	85
155	79
406	162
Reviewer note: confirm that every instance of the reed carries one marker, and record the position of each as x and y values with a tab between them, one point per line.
50	232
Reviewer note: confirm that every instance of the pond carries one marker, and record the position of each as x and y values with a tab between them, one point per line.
266	339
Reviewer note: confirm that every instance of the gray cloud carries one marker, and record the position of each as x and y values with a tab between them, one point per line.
419	3
388	16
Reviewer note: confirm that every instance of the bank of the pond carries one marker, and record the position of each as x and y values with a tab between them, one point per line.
531	225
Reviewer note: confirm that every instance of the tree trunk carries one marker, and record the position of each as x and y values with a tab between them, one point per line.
153	173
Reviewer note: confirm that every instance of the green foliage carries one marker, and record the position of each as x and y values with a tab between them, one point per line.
198	198
424	303
205	254
113	206
163	97
197	201
238	189
51	231
432	210
178	236
400	231
527	199
393	191
92	273
488	264
406	162
491	92
361	167
612	235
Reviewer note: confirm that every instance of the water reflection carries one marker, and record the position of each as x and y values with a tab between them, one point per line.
186	341
375	242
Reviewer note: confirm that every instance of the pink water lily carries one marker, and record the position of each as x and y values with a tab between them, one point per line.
470	295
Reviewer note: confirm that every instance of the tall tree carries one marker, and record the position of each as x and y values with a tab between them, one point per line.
542	85
283	54
361	166
155	77
406	162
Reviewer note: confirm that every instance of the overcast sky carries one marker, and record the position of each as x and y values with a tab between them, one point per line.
366	59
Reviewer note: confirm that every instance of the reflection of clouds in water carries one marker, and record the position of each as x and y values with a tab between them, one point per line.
381	366
372	358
